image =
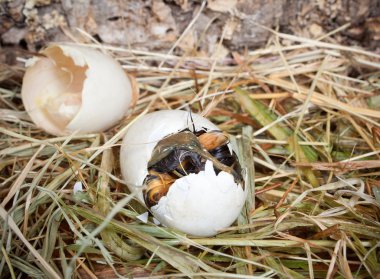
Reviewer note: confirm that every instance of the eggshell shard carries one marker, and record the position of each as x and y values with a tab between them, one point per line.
75	88
201	204
198	204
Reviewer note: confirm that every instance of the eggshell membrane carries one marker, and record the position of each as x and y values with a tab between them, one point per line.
197	204
106	90
43	77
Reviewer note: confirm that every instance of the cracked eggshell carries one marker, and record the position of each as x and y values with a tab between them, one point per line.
143	136
198	204
201	204
72	88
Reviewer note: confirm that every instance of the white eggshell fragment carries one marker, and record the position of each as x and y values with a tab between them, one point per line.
75	89
198	204
201	204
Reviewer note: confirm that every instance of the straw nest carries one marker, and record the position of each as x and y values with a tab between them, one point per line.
305	118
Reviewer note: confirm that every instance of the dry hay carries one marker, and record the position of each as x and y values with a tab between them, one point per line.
309	110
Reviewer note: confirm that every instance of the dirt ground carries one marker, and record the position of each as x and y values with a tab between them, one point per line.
156	25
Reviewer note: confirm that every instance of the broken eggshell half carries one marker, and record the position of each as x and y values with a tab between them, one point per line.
75	89
199	203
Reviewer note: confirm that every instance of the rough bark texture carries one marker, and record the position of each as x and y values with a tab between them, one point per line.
156	24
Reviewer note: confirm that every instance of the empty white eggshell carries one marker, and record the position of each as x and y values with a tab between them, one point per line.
198	204
73	88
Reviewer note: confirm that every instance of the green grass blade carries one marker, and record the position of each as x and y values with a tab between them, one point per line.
266	118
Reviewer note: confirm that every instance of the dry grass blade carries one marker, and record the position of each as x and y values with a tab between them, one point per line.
13	226
16	186
267	119
102	198
187	264
304	118
341	167
7	260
